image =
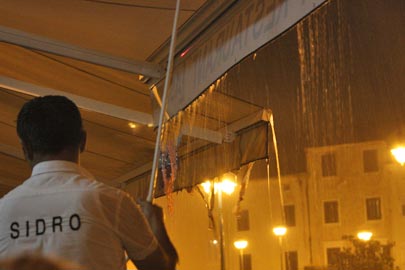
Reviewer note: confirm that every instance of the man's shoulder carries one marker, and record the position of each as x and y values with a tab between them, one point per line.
15	192
109	193
107	189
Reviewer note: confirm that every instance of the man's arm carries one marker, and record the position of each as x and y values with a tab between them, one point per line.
165	257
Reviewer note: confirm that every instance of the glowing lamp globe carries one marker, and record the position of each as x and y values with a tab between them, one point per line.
399	154
227	186
240	244
280	230
206	186
364	235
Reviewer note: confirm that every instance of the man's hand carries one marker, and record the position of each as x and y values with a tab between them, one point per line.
154	215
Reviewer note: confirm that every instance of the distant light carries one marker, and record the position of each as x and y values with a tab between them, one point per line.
206	186
240	244
227	186
132	125
364	235
280	230
228	183
215	241
399	154
150	125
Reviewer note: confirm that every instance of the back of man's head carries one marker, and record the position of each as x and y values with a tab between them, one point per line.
49	124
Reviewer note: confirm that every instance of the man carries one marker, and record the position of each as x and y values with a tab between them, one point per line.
61	210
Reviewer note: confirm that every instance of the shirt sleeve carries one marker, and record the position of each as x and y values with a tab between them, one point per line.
133	229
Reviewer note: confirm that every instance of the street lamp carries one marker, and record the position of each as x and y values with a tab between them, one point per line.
206	186
241	245
399	154
280	231
364	235
227	185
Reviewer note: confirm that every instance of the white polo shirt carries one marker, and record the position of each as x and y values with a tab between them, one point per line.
61	210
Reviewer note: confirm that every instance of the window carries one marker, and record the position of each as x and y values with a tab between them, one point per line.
291	260
245	262
328	165
373	206
289	211
243	221
331	212
332	255
370	160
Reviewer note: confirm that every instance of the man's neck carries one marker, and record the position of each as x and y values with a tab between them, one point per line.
66	155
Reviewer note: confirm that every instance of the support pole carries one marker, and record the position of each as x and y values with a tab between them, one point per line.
154	173
221	230
280	242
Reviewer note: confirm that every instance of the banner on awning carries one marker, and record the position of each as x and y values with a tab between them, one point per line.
239	32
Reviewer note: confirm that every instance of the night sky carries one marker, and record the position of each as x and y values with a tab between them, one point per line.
347	85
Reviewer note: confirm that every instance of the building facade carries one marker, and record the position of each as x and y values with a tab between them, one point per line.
346	189
353	188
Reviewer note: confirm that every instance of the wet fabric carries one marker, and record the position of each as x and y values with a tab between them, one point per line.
62	211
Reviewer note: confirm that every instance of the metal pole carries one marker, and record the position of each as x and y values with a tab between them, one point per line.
280	241
154	173
242	263
221	229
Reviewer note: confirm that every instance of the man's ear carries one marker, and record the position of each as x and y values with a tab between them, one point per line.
83	141
27	149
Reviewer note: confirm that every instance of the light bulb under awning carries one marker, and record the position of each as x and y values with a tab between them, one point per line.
132	125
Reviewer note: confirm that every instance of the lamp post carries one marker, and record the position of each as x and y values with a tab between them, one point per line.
227	185
280	231
241	245
364	235
399	154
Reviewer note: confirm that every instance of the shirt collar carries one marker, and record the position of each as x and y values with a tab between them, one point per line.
59	166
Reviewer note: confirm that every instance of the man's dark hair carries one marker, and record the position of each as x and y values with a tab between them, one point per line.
50	124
